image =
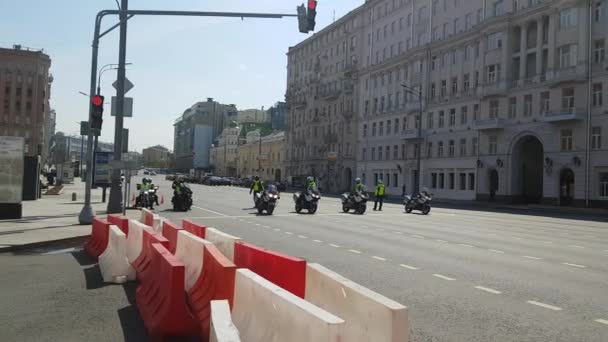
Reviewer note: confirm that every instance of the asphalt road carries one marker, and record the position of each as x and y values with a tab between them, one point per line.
464	275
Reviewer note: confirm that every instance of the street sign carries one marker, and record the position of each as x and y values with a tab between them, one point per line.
102	168
127	109
128	85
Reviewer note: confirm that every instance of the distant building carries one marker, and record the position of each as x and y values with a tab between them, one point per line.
25	85
263	157
224	152
71	148
278	116
195	131
253	116
156	156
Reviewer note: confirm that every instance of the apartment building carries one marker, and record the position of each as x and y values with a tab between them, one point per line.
262	156
157	156
512	96
224	152
322	75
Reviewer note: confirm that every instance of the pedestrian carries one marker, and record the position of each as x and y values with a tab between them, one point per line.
403	190
380	193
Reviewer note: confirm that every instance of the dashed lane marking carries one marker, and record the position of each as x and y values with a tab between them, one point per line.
257	224
396	232
333	245
575	246
496	251
487	289
531	257
302	237
603	321
409	267
211	211
317	241
418	236
289	233
543	305
354	251
442	277
378	258
267	227
277	230
573	265
439	240
465	245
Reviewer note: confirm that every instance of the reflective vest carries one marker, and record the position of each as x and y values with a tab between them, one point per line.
312	185
145	186
257	186
380	190
358	187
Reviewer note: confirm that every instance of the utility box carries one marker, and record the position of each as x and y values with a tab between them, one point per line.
31	178
11	177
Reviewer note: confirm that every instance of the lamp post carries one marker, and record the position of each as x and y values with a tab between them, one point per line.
418	94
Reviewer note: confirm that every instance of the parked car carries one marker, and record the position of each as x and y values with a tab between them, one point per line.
246	182
213	180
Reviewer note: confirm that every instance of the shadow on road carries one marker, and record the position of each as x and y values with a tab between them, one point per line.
83	258
94	279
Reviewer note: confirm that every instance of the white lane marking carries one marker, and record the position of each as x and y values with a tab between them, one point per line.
573	265
517	238
363	226
590	236
267	227
575	246
547	241
317	241
336	246
289	233
338	221
491	234
465	245
442	277
257	224
277	230
531	257
563	233
543	305
603	321
409	267
418	236
302	237
496	251
379	258
439	240
211	211
487	289
354	251
396	232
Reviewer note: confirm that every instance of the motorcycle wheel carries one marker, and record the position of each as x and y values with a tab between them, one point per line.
298	209
345	208
408	209
426	209
361	210
312	210
270	210
260	210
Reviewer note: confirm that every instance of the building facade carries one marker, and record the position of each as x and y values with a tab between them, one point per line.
157	157
25	85
278	116
322	97
195	131
224	152
264	157
71	148
253	116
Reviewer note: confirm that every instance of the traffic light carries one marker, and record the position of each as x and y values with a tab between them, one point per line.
97	113
312	13
302	19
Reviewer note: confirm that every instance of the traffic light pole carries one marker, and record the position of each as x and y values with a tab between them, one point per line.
86	214
115	202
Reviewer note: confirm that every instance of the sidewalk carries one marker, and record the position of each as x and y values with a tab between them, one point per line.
51	219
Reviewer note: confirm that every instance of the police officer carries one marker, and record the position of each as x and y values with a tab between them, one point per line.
380	193
358	185
311	185
256	187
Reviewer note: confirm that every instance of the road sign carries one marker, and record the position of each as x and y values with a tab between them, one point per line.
128	107
102	169
128	85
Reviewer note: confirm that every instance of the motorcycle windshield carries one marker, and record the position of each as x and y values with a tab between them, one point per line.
272	189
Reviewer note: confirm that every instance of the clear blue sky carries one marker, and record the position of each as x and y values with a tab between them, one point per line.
176	61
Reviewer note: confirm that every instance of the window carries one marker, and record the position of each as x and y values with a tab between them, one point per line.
463	181
568	18
444	90
364	130
441	119
544	102
464	113
452	117
434	180
381	129
395	180
493	73
415	150
568	55
388	127
429	120
493	109
441	180
494	40
512	107
451	180
598	11
566	139
403	151
568	99
471	181
498	8
465	82
454	85
380	153
603	182
433	90
396	152
476	112
396	126
596	138
463	147
597	95
429	149
528	105
388	153
451	148
492	144
599	53
374	129
373	153
440	149
474	146
363	153
366	106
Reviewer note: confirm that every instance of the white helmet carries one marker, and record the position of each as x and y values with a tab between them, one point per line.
309	179
357	180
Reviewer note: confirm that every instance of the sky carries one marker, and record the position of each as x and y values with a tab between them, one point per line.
176	61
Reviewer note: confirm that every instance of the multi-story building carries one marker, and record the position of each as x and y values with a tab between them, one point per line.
25	85
224	152
322	73
262	156
278	116
195	131
156	156
512	96
71	148
253	116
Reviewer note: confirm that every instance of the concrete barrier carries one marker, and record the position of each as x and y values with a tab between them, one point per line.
222	328
265	312
113	262
146	216
120	221
190	250
98	242
143	263
135	240
194	228
157	223
169	231
369	316
224	242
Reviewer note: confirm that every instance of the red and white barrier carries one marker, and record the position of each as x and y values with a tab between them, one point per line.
224	242
222	328
113	263
135	240
190	250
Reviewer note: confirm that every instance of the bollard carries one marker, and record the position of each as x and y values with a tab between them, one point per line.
73	197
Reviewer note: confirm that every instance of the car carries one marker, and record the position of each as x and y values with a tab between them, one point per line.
246	182
152	173
146	173
213	181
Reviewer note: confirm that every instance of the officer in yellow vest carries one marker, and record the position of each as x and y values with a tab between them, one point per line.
256	187
380	193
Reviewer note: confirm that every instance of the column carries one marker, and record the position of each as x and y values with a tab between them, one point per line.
539	48
523	52
551	45
507	50
583	42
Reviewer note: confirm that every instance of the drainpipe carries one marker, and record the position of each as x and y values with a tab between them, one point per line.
589	89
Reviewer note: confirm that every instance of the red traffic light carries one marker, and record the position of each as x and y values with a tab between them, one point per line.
312	4
97	100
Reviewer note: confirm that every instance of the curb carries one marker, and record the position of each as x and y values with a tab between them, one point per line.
44	244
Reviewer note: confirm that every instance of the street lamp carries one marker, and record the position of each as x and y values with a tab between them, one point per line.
417	93
111	66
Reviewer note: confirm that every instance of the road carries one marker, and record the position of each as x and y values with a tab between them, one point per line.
464	275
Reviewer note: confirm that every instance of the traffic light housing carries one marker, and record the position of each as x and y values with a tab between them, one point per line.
306	16
312	14
302	19
97	112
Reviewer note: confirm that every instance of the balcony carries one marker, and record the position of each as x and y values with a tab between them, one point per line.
410	133
331	94
349	87
330	138
494	89
301	104
413	106
564	114
348	114
490	124
570	74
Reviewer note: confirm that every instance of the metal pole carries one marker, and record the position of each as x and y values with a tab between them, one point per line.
417	187
115	201
86	214
81	154
589	89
